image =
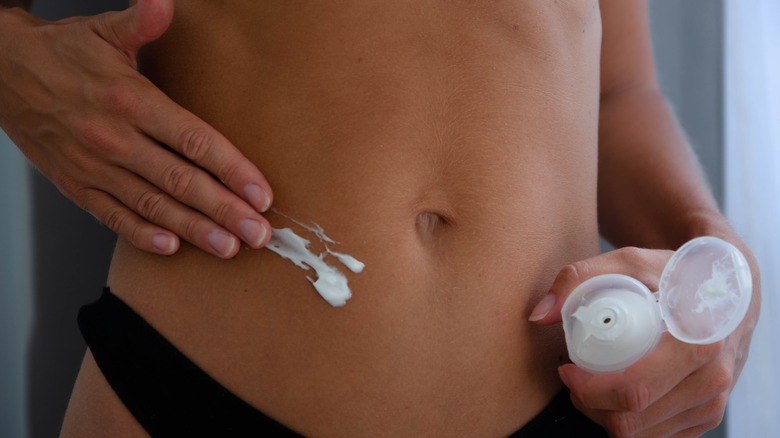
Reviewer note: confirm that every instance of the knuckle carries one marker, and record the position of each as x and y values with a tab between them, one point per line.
222	212
151	204
112	215
179	180
721	381
632	254
196	143
710	417
636	398
645	264
86	199
706	353
713	415
96	138
622	424
230	172
117	98
136	237
190	228
719	408
716	420
574	273
71	189
115	218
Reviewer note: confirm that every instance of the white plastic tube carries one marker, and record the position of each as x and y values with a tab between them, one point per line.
613	320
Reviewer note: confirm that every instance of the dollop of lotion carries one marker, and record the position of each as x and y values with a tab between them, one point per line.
330	283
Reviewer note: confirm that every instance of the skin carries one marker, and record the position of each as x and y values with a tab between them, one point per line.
650	195
102	147
678	389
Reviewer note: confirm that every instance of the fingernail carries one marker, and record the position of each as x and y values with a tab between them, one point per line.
221	242
257	197
543	308
164	243
252	232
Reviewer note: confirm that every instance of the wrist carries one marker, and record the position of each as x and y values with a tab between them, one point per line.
713	223
707	222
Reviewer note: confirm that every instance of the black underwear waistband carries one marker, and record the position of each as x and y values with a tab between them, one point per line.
164	390
171	396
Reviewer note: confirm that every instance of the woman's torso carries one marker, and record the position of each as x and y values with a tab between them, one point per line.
450	146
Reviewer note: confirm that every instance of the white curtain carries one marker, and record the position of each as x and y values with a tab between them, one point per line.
752	175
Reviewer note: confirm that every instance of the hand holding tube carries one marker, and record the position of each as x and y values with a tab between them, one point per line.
613	320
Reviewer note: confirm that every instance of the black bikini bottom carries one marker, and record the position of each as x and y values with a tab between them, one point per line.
170	396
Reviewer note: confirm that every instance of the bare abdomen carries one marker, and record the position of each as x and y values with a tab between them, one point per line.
459	167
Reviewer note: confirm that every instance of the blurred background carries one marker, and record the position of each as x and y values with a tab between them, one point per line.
713	67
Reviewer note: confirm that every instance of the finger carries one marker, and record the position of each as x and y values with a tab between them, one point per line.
698	403
707	388
158	207
642	384
193	138
136	26
123	221
644	265
692	422
198	190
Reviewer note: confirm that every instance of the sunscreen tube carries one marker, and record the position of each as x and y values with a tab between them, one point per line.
613	320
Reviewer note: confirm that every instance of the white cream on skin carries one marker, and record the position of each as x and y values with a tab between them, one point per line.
350	262
330	283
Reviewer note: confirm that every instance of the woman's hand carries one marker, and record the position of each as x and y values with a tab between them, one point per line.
73	102
677	389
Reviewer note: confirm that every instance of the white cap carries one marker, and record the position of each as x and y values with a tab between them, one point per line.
705	290
611	321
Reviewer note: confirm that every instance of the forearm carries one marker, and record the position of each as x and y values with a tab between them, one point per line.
652	192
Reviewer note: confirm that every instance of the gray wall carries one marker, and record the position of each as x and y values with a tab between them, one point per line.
688	37
15	284
63	264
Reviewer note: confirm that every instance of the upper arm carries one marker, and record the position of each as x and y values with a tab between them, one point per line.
626	49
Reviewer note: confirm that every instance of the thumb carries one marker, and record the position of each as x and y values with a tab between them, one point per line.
643	265
548	310
136	26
